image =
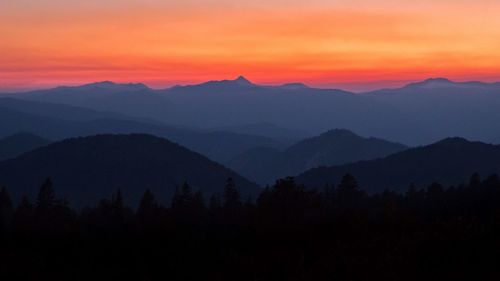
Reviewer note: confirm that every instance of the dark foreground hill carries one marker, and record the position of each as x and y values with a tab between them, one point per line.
334	147
450	161
85	170
20	143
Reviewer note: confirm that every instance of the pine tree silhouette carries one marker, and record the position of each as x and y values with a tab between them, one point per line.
46	198
347	184
231	198
147	205
183	197
348	194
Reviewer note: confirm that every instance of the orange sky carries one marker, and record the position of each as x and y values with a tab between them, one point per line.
324	43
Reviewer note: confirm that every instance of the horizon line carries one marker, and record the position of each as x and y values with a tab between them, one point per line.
396	84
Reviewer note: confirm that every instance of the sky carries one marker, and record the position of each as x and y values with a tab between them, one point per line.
351	44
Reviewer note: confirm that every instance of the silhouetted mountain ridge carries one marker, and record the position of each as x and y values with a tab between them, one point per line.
419	113
334	147
108	86
87	169
450	161
441	84
239	82
455	142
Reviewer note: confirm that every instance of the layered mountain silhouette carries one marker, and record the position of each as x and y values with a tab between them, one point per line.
20	143
109	87
444	84
447	108
238	83
58	121
85	170
451	161
334	147
128	99
230	103
417	114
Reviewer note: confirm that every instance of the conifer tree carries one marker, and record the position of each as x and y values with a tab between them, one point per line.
46	198
231	197
348	194
183	197
148	204
348	183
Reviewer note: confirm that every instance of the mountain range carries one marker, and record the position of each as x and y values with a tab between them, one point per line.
451	161
268	132
417	114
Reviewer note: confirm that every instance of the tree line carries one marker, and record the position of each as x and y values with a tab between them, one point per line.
289	232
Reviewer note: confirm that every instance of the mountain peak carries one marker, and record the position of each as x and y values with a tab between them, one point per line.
453	141
438	80
433	83
242	80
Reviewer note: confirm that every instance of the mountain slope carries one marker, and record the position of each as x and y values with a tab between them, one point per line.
20	143
331	148
57	121
85	170
450	161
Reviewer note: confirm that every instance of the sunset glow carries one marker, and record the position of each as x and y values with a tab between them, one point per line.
323	43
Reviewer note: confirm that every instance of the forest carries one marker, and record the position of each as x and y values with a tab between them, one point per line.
289	232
